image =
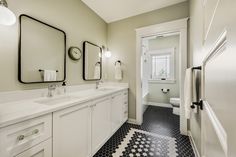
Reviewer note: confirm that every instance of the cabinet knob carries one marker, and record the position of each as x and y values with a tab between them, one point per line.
21	137
35	131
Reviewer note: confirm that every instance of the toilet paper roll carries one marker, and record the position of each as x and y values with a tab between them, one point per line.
165	90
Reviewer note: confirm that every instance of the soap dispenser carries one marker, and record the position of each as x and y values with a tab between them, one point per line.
64	87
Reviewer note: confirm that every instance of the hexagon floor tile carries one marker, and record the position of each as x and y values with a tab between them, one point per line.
157	120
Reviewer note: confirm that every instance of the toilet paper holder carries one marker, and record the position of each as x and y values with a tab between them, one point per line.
165	91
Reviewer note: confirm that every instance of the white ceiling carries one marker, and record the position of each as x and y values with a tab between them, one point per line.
113	10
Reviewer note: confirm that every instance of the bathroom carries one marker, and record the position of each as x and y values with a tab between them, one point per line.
161	83
76	78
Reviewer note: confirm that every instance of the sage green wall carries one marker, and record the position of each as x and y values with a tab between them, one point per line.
122	42
73	16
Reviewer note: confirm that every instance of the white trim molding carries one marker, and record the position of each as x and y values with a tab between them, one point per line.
194	146
219	129
132	121
178	27
166	105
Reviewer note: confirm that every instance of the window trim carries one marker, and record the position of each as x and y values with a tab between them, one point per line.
170	51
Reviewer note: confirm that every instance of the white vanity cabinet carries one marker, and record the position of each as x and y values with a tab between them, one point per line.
74	131
101	122
125	107
41	150
71	131
116	111
31	138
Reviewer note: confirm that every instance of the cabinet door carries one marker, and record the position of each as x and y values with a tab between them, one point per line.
71	132
101	123
116	111
43	149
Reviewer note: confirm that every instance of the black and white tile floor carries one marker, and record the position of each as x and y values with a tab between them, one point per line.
158	136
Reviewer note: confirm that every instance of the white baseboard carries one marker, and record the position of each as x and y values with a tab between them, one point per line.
132	121
160	104
193	144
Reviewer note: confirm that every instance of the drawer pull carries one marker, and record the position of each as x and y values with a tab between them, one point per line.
22	137
126	112
126	102
125	94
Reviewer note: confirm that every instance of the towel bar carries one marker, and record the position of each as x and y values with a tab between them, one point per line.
40	70
197	68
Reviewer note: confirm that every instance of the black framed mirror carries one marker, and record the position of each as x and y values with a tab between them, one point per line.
92	61
42	52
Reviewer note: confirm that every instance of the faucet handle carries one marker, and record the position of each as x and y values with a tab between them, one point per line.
52	86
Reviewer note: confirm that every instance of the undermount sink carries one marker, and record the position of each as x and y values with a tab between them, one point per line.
54	101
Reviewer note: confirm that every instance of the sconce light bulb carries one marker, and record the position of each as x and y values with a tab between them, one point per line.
7	17
108	54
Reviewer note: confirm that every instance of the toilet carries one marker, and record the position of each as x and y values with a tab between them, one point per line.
175	102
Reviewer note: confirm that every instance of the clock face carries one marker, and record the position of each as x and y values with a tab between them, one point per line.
75	53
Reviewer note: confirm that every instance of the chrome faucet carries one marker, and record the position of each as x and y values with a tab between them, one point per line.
51	89
98	83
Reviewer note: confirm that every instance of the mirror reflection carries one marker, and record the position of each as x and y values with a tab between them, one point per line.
42	52
92	68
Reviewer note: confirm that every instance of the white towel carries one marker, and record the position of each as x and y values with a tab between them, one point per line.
50	75
118	72
97	72
188	92
194	94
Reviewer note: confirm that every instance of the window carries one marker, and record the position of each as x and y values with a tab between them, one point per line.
162	64
160	67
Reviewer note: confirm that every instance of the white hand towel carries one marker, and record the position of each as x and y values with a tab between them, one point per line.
97	72
188	92
50	75
118	72
194	94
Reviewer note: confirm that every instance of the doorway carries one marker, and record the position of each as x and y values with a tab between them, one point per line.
160	71
177	29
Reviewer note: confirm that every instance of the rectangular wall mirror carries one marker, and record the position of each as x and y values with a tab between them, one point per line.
92	61
42	52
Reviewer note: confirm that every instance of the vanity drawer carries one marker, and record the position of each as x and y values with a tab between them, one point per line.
21	136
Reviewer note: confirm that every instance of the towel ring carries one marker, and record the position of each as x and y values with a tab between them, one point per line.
118	62
40	70
98	63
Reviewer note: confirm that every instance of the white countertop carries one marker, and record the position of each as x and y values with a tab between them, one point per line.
21	110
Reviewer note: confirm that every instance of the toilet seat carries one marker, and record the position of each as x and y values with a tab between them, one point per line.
175	101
